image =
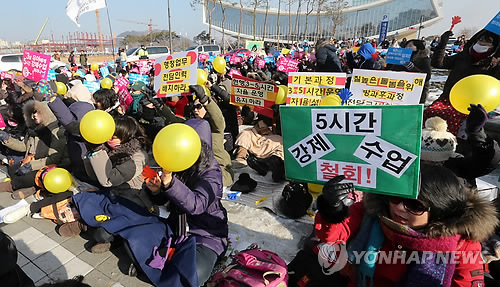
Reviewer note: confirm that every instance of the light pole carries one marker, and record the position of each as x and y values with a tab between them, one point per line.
169	28
356	24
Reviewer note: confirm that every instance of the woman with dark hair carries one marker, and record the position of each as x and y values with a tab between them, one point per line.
326	57
403	239
419	63
117	166
106	100
194	196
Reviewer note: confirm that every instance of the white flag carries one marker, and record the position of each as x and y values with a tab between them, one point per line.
75	8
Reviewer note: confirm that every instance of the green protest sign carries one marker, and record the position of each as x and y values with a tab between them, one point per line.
376	148
251	44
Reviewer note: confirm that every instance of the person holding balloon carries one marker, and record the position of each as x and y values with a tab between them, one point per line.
44	144
192	182
473	78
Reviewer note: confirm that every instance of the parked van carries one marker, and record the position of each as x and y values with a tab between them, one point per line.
154	52
214	49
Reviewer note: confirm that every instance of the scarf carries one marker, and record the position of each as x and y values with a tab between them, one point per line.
372	234
135	102
123	152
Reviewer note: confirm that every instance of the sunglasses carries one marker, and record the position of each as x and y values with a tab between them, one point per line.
198	106
413	206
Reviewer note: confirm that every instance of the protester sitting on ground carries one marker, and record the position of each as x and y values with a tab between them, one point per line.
117	166
206	108
419	63
194	195
44	144
479	156
447	217
480	55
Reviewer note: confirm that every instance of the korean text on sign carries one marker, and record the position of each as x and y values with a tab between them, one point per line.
35	65
347	121
363	175
287	65
384	155
395	88
308	89
174	73
245	91
311	148
176	63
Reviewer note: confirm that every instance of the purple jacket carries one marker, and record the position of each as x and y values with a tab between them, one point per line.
200	197
70	117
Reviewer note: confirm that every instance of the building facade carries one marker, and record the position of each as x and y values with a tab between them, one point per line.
362	19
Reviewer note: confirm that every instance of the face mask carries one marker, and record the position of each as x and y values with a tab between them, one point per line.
480	48
113	143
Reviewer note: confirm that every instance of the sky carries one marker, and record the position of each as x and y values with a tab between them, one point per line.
25	18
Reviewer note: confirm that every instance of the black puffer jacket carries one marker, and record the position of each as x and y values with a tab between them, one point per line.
327	59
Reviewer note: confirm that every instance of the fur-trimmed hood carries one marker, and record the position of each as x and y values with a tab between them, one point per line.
44	110
477	223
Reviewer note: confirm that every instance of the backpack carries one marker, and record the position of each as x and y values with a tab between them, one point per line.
253	268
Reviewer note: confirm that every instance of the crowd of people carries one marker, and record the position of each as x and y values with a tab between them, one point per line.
43	132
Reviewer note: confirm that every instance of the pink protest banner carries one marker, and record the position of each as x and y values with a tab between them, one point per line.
125	99
202	57
121	83
2	123
35	65
145	66
288	65
235	60
261	63
6	75
234	72
298	55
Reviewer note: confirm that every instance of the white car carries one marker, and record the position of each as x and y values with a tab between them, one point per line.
154	52
15	62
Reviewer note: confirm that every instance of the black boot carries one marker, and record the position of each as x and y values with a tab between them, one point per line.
257	164
277	167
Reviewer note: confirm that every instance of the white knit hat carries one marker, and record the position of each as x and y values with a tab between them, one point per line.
438	145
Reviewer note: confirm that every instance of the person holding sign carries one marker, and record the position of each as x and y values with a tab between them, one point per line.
44	144
419	63
480	55
396	241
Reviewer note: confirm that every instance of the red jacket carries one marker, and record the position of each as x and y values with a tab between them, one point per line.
466	274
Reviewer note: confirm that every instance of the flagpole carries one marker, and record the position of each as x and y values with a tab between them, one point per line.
169	28
110	31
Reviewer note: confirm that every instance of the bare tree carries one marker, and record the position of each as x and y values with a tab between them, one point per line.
265	20
278	22
336	9
309	9
290	3
255	4
319	29
223	10
193	4
468	32
297	22
241	22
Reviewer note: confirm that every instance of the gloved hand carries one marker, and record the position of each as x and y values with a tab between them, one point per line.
334	201
409	65
345	94
199	92
476	119
4	136
24	169
443	41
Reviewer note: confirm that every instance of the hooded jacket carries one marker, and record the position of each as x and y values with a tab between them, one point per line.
462	65
45	141
364	59
478	222
199	193
327	59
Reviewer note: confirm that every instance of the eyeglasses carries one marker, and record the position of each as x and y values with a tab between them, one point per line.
413	206
198	106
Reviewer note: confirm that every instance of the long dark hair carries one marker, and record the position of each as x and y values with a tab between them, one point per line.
189	176
128	128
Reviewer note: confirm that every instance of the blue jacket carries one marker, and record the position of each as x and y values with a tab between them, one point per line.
143	232
199	197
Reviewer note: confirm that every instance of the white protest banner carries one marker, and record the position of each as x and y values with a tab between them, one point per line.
320	146
75	8
308	89
394	88
174	73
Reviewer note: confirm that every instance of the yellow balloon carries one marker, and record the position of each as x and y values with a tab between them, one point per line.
476	89
332	100
219	64
202	77
176	147
281	97
57	180
106	83
94	67
207	91
97	127
61	88
315	188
